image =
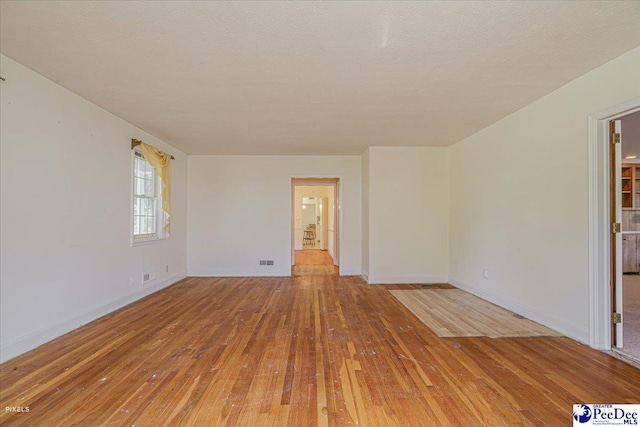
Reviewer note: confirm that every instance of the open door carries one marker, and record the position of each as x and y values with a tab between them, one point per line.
323	222
616	232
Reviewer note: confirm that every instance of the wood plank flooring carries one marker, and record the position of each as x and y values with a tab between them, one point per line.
313	263
301	351
455	313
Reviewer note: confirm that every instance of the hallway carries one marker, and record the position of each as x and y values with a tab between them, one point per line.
310	262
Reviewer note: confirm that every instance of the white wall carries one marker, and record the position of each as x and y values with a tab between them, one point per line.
631	135
66	213
519	201
408	214
225	237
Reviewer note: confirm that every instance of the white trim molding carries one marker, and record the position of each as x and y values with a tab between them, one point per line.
338	230
391	280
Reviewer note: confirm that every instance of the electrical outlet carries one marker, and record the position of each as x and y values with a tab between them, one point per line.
166	268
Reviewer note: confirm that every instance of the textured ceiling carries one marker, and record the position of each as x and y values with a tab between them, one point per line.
314	77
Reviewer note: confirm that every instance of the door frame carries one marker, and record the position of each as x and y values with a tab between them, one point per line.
315	181
600	220
615	210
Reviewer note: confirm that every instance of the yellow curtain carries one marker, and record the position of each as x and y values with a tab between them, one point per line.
161	161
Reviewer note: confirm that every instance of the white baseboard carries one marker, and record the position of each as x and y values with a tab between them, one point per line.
264	272
566	328
20	345
278	273
349	272
389	280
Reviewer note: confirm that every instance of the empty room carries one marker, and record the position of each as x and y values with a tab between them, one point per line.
319	213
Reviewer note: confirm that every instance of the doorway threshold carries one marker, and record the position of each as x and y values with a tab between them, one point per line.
620	354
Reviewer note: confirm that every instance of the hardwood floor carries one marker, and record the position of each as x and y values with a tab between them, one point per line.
455	313
301	351
313	263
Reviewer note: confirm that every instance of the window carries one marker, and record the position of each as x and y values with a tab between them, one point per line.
146	201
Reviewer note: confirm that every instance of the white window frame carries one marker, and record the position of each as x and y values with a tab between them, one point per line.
159	234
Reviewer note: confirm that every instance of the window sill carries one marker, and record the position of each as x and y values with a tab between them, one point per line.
146	241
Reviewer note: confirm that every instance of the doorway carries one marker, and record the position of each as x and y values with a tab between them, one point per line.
312	219
625	138
614	230
315	224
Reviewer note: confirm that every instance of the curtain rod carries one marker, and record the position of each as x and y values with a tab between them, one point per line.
136	142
